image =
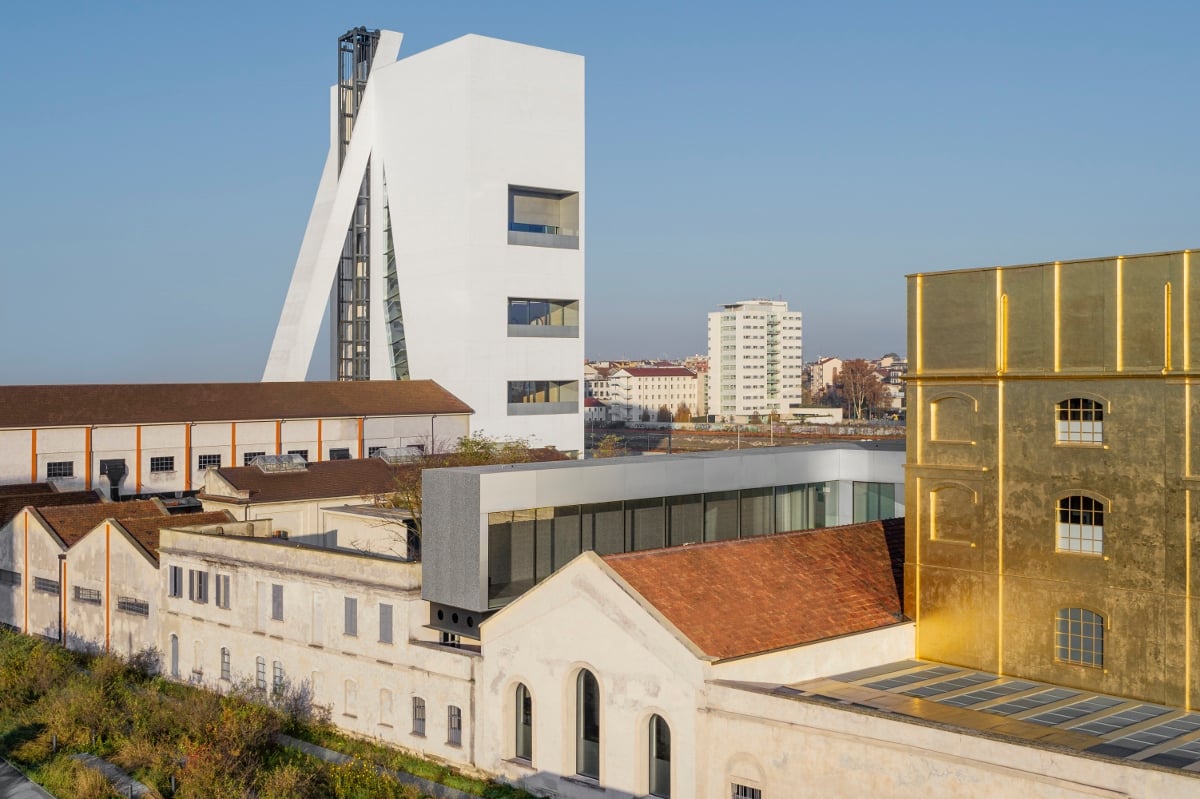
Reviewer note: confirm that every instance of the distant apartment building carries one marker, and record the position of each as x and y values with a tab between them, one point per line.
755	360
447	234
640	393
147	439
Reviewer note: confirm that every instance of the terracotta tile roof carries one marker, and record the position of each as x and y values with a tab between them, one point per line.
659	371
345	478
26	488
151	403
145	530
358	477
12	504
73	522
734	598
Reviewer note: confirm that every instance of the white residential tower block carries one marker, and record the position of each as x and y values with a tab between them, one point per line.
755	361
446	238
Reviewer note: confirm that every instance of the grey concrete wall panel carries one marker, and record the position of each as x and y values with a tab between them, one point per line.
453	539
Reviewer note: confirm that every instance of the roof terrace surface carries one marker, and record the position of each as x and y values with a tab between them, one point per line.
1019	710
881	445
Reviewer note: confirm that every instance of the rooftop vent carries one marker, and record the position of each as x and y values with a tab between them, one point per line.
278	464
397	455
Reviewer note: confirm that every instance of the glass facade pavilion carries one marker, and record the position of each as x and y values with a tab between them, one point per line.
492	532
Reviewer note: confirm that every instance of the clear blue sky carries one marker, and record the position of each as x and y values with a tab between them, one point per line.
158	161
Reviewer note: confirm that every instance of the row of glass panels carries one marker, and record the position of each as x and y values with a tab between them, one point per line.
526	546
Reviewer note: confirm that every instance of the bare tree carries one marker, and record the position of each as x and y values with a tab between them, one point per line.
473	450
860	388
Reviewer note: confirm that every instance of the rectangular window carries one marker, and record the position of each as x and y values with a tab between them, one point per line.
418	716
277	602
526	397
222	582
88	595
208	462
45	586
745	792
198	586
133	606
303	453
260	674
226	670
277	678
385	624
175	581
351	626
249	457
543	318
339	454
873	501
60	469
8	577
373	451
543	218
165	463
720	515
454	726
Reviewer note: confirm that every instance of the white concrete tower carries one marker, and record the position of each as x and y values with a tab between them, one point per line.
755	361
447	232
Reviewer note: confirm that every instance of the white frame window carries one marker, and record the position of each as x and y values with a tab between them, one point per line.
208	462
1079	420
58	469
1080	525
1079	637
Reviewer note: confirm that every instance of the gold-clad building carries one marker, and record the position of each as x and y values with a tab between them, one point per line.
1053	485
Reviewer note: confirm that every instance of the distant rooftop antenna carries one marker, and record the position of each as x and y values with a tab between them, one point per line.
279	464
398	455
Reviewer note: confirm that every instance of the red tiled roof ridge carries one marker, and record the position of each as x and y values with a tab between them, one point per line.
748	596
72	522
167	403
146	529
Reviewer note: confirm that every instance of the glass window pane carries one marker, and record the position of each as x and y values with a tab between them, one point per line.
646	519
544	545
608	527
524	713
757	515
720	515
510	555
587	740
660	757
566	534
686	518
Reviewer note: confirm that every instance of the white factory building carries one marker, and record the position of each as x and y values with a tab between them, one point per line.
446	239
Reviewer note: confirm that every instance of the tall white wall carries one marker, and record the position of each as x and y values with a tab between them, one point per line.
456	126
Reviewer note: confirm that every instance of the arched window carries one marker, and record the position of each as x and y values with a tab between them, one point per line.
524	718
1081	525
174	655
660	757
587	725
1079	637
1080	421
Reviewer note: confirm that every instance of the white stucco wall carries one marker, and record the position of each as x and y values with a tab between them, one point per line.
107	561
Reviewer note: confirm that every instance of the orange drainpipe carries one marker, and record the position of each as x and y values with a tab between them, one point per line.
187	456
278	436
107	584
33	456
138	459
87	458
318	441
233	443
360	436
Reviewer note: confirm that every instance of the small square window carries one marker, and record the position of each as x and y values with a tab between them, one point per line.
208	462
163	464
340	454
